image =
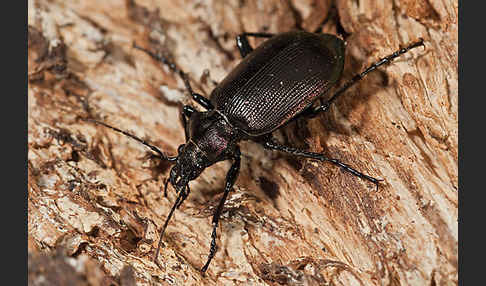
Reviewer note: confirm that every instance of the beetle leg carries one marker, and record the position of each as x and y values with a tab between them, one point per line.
187	111
230	180
271	144
204	102
243	44
324	107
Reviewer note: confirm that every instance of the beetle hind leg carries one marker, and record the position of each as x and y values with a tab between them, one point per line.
272	145
324	107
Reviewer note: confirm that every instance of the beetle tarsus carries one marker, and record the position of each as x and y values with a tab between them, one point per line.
212	249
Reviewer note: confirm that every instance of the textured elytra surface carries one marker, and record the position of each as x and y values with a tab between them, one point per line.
96	195
283	76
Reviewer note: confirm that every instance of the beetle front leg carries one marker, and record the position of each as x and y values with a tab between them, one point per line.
272	145
201	100
230	180
243	44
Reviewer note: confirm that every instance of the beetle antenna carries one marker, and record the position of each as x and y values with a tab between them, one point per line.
371	68
152	147
166	182
180	198
204	102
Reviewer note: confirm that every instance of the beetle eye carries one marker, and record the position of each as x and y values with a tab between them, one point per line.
179	149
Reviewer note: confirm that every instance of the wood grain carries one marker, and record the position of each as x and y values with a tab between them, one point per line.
95	197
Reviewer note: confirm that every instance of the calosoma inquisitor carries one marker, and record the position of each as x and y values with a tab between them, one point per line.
273	84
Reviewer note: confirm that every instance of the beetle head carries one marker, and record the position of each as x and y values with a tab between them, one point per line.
190	163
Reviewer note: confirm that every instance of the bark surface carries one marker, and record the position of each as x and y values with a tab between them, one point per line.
96	200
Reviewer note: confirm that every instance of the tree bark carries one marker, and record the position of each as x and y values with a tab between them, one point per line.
96	201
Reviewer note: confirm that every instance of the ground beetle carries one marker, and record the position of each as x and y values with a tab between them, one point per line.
273	84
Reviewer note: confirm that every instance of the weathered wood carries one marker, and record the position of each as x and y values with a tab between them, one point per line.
97	195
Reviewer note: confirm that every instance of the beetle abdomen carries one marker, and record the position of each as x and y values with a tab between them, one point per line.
278	80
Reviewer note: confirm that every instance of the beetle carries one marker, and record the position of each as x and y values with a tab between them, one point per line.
275	83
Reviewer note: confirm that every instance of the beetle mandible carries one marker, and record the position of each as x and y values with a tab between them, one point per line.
273	84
